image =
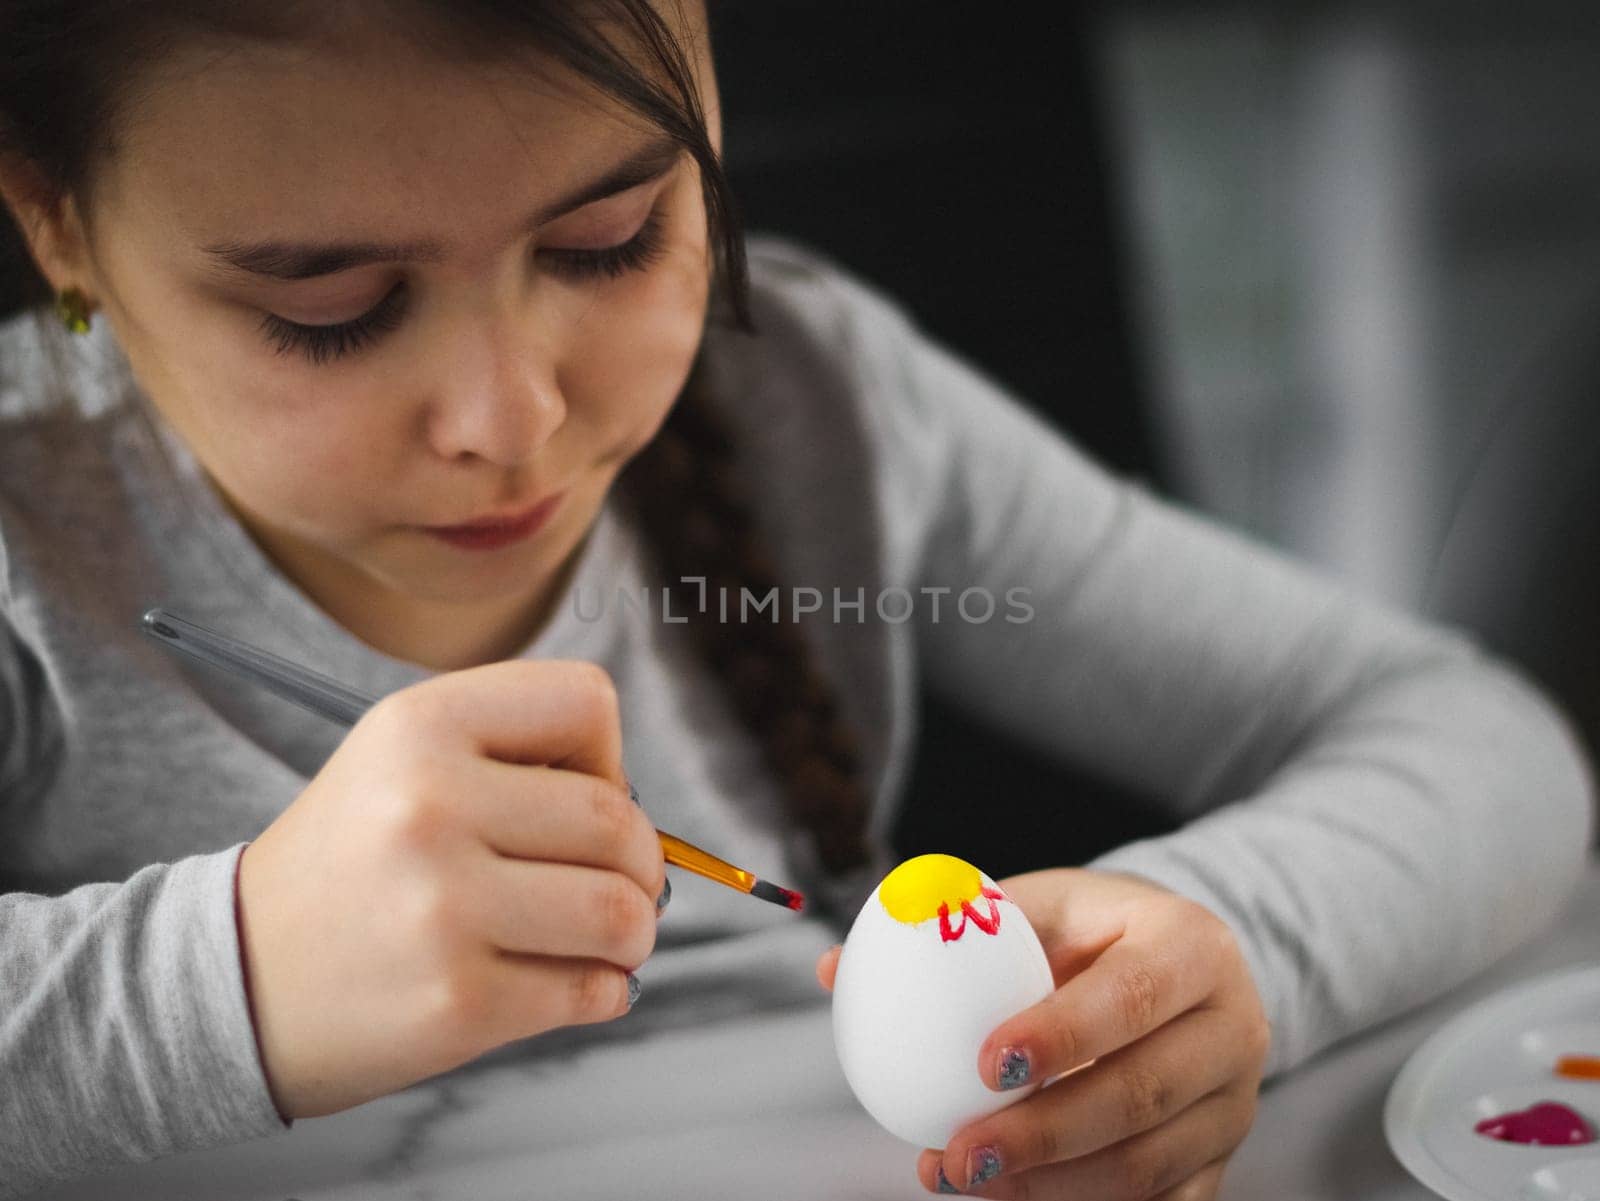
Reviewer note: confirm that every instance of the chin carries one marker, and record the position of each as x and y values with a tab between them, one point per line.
482	576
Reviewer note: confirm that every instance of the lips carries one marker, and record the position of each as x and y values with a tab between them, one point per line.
490	533
497	521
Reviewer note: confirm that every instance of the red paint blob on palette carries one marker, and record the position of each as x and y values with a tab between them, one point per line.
1579	1067
1547	1124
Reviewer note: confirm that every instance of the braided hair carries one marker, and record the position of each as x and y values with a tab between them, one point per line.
684	493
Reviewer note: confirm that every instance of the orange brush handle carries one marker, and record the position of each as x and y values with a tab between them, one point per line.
701	863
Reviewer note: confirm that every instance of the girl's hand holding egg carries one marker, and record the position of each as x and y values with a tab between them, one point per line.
1153	1001
466	869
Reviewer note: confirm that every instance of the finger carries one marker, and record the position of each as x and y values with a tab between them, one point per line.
1135	1169
524	995
550	814
1096	910
1119	1095
1141	981
554	711
562	911
1202	1186
932	1175
1073	935
828	966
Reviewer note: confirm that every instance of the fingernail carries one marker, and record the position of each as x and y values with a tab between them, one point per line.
1013	1068
983	1164
666	895
634	989
633	795
944	1185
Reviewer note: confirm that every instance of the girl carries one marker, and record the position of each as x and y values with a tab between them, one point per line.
415	336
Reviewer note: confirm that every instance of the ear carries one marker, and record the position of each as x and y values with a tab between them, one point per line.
50	223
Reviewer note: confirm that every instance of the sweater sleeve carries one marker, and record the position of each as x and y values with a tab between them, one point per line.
125	1031
1377	809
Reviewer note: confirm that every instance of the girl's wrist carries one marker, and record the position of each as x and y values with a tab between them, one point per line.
244	976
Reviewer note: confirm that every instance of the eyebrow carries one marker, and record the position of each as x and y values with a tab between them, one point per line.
305	260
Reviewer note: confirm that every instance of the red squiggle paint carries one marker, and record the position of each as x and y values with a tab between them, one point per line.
989	924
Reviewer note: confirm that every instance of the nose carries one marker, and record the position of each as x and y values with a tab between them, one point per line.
497	397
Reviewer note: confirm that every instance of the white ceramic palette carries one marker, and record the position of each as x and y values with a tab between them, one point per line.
1498	1057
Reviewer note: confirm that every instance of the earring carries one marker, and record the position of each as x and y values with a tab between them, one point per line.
72	306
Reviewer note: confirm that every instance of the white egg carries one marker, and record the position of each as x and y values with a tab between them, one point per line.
936	959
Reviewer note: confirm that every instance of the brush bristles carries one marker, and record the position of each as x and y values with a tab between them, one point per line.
778	896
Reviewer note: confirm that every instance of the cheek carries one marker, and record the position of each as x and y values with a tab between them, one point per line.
289	448
630	364
298	459
309	473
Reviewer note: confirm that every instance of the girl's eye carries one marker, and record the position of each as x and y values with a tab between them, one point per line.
637	253
319	343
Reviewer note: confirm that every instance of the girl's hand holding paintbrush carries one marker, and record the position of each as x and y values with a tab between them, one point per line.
466	869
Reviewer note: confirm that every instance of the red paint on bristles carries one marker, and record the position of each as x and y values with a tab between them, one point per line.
768	891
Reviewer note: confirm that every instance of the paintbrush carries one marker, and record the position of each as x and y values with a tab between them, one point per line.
330	699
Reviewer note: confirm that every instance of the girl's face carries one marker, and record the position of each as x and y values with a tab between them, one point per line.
377	291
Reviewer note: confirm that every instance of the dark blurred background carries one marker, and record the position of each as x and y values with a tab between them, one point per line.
1329	271
958	163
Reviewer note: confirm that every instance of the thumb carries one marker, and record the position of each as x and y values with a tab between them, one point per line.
1074	913
828	966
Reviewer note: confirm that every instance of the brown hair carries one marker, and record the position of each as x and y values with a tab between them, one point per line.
64	72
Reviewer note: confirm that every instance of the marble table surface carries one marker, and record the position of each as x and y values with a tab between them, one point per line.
754	1105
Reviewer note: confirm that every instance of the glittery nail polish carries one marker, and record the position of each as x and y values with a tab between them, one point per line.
666	895
633	795
1013	1068
983	1163
634	989
944	1185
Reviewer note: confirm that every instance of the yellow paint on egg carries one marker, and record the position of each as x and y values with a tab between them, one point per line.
914	891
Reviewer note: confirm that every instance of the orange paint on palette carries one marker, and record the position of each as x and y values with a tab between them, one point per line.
1579	1067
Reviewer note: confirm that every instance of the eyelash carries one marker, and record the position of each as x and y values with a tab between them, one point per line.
320	343
637	253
